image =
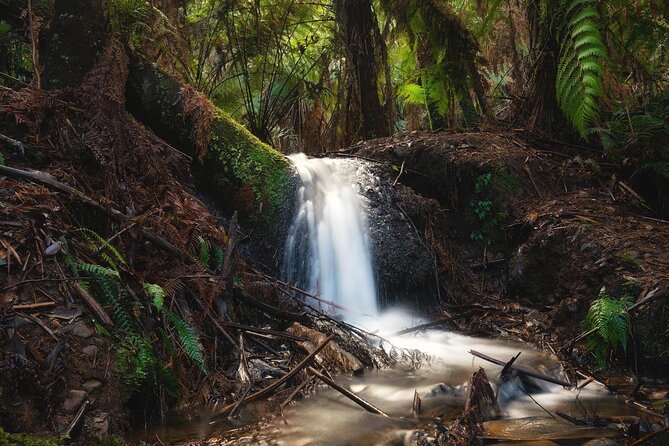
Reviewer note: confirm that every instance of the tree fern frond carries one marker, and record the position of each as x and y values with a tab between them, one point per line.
580	71
204	249
156	293
99	243
97	270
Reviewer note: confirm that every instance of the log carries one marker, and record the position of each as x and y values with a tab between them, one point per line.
230	163
521	369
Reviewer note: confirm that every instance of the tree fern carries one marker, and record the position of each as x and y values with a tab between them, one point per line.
580	69
217	257
610	318
99	243
156	293
97	270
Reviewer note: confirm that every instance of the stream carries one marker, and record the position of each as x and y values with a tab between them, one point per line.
328	253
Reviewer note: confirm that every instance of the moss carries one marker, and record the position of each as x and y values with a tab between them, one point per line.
7	439
261	176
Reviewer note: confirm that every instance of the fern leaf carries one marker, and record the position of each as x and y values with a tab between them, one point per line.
204	251
580	71
156	293
188	339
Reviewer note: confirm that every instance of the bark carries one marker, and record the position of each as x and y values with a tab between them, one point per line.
358	29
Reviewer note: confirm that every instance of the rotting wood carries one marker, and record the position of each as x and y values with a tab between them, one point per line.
369	407
524	370
279	382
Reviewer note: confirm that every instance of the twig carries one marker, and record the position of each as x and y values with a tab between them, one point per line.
535	401
400	174
523	370
279	382
92	304
35	306
369	407
13	142
262	331
40	323
77	419
294	393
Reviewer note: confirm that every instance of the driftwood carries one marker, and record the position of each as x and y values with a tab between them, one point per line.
524	370
279	382
369	407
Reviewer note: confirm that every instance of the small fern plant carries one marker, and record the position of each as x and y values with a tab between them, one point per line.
580	71
187	335
609	316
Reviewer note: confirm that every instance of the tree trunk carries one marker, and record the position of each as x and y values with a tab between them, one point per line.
357	27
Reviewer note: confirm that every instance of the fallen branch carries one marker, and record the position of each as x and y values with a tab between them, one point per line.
279	382
369	407
521	369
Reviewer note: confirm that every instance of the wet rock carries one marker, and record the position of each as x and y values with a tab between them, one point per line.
73	400
92	385
442	389
97	425
90	350
404	263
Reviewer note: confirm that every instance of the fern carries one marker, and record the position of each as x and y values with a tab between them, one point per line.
188	339
99	243
98	271
156	293
217	257
610	318
204	249
580	69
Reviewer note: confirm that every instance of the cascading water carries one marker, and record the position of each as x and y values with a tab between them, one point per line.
328	249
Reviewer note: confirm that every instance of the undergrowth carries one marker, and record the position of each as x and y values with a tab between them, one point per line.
140	358
486	210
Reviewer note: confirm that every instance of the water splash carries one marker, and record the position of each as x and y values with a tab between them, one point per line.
327	248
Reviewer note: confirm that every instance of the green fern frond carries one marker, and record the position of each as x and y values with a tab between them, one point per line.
156	293
580	69
412	94
217	257
100	243
609	316
204	248
97	270
188	339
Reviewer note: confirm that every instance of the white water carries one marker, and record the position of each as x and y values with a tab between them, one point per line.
327	249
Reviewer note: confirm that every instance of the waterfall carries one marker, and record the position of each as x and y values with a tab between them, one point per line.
327	248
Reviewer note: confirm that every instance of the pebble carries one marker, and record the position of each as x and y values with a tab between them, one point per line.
90	350
92	385
81	330
73	400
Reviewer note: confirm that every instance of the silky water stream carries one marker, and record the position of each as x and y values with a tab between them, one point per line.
328	251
